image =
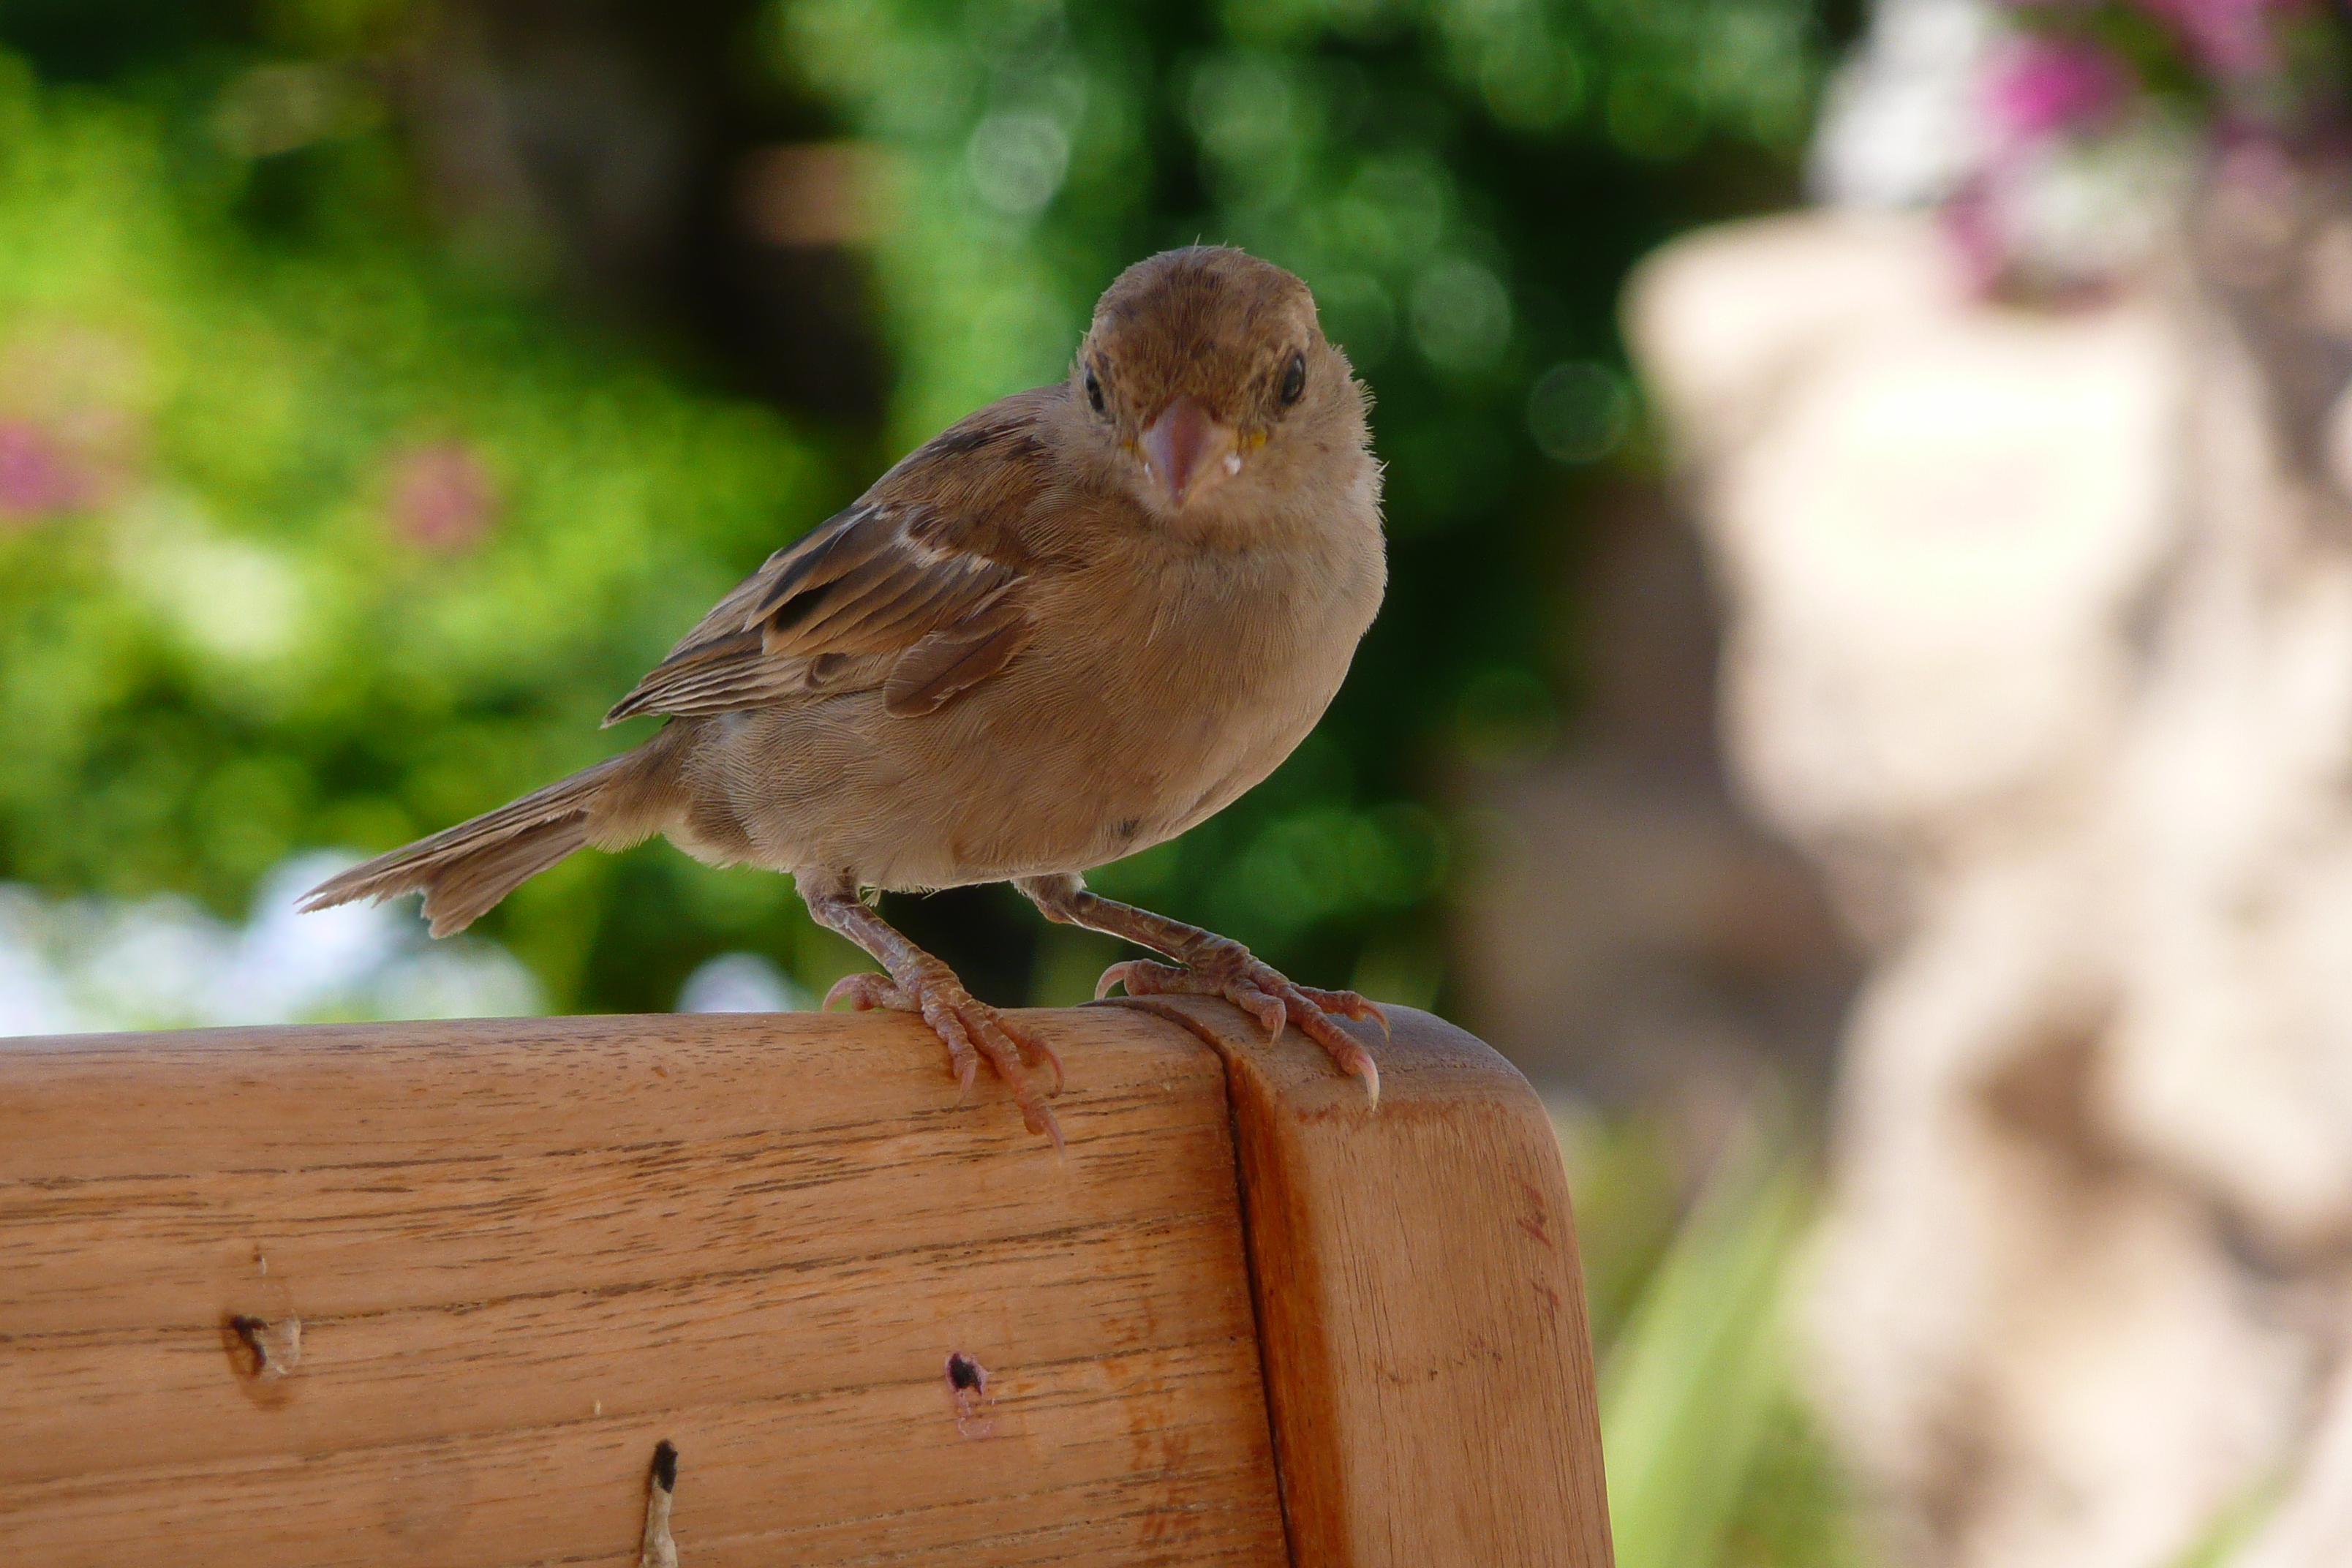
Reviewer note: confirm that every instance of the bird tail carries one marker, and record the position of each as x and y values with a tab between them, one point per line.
466	869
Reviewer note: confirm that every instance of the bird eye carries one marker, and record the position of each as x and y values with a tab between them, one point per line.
1094	390
1294	379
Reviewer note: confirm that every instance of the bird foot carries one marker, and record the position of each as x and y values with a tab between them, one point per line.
971	1030
1265	994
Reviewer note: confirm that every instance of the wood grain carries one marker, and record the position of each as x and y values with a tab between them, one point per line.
523	1252
1420	1307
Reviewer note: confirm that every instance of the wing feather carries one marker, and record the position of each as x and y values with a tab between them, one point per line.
916	589
943	666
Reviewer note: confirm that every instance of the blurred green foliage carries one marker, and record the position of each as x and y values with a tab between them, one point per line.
1711	1455
320	537
305	540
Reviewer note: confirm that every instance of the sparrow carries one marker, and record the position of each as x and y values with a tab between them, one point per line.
1068	628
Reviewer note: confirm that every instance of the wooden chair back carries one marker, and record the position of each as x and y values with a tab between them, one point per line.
433	1293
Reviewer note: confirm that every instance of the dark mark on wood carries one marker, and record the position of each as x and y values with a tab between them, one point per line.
260	1348
968	1387
659	1550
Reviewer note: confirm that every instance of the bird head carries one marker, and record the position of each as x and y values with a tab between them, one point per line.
1208	382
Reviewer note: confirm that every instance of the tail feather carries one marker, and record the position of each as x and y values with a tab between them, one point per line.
465	890
464	870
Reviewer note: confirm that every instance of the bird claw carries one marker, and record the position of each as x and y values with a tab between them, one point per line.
867	991
1350	1004
1265	994
971	1030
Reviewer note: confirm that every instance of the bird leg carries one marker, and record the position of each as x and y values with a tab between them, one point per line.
918	983
1213	966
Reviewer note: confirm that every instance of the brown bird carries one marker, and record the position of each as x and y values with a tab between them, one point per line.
1069	627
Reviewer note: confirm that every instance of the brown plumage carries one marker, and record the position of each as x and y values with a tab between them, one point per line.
1068	627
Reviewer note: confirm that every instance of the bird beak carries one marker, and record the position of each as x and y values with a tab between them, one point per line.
1188	452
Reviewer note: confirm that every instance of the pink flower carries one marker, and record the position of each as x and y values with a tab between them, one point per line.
2038	86
442	498
38	477
2230	37
1974	227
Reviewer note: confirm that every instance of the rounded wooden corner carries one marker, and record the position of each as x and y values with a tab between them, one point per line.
1420	1301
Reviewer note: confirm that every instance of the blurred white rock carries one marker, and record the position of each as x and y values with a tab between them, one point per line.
2040	644
1903	121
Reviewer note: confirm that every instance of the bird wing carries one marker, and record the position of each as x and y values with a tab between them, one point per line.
915	589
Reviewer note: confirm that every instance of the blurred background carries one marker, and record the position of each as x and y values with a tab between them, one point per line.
1862	714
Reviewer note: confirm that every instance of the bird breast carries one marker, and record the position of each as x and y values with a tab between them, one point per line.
1199	687
1163	681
